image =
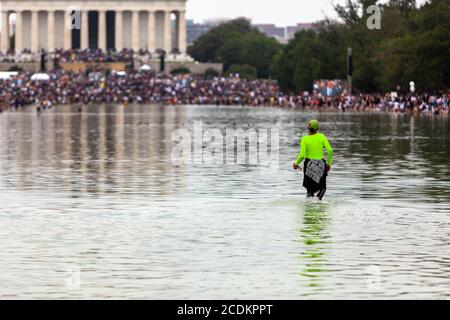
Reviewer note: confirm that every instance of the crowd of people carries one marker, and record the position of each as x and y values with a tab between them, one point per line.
73	55
65	87
78	55
94	55
96	87
12	57
435	103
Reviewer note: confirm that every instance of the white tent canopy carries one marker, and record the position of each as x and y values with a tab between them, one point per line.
145	67
40	77
5	75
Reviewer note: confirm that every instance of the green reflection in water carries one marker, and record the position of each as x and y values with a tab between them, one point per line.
313	236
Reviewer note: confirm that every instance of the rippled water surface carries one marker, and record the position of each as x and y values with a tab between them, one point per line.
91	206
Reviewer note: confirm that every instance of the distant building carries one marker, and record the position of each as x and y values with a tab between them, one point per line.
272	30
292	30
216	21
283	35
196	30
94	24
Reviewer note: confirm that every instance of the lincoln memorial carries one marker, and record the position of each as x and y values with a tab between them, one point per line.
104	24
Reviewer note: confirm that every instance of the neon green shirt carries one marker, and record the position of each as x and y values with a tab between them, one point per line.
311	147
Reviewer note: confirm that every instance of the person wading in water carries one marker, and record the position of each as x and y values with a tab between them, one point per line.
315	168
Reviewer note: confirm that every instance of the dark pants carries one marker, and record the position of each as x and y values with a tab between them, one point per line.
320	194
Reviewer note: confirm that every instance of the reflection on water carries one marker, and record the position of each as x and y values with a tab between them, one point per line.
95	195
315	221
97	152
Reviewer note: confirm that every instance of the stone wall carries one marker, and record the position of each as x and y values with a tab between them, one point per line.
26	66
82	66
194	67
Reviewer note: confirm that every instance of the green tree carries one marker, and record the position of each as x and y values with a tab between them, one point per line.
206	47
211	73
245	71
180	70
311	55
231	51
259	51
15	68
237	43
413	44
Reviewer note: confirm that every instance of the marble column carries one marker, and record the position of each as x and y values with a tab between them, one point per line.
167	32
119	30
19	28
135	30
182	36
84	43
151	31
35	31
102	30
50	30
5	32
67	30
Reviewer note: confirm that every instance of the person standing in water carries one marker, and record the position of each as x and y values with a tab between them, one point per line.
315	168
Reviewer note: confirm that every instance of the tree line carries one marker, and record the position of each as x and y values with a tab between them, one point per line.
413	44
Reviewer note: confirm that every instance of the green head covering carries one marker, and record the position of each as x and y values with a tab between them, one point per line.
314	124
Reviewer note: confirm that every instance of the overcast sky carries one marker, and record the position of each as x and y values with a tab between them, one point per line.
280	12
